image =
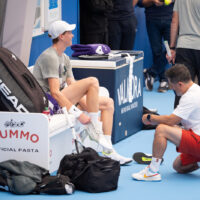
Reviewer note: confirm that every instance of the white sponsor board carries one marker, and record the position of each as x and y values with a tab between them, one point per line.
24	137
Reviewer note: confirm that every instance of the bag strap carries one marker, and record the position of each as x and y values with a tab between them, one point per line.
89	163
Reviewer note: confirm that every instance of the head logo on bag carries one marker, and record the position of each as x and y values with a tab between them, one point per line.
19	90
7	93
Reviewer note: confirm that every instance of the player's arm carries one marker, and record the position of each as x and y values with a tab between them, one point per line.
148	3
135	2
170	120
174	29
70	80
174	34
64	102
54	86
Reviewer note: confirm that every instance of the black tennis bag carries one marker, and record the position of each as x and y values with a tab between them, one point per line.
23	177
19	90
90	172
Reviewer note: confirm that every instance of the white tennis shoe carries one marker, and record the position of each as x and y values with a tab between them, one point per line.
115	156
95	133
147	175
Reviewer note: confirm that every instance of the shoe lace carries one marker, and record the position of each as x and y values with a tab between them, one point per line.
143	171
98	128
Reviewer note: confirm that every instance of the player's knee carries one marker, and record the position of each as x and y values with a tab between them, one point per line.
110	104
160	130
177	167
93	81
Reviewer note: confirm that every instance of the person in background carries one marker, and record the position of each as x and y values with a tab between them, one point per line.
158	20
185	138
94	21
122	25
185	37
54	73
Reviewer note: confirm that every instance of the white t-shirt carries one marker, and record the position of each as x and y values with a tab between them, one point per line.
189	109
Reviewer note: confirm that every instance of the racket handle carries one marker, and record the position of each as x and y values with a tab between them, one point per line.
167	48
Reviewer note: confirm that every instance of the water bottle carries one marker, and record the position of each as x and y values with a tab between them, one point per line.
46	111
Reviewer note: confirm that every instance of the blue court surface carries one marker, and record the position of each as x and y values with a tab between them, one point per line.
173	186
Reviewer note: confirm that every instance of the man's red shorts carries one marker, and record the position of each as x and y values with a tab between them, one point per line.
189	147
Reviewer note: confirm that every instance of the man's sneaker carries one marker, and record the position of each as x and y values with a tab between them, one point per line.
143	158
163	87
95	133
115	156
149	80
147	175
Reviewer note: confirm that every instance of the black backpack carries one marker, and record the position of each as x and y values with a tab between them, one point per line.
27	178
19	90
90	172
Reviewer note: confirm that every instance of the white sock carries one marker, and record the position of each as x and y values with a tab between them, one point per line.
155	164
94	117
108	138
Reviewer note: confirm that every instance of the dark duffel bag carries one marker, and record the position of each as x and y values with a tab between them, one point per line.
19	90
57	185
90	172
27	178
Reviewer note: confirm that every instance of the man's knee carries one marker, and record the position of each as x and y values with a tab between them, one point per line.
160	130
183	169
177	165
93	81
110	104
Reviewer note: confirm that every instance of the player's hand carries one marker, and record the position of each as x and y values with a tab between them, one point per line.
84	119
158	3
145	120
171	59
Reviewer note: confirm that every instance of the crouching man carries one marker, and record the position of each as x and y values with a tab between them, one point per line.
187	137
